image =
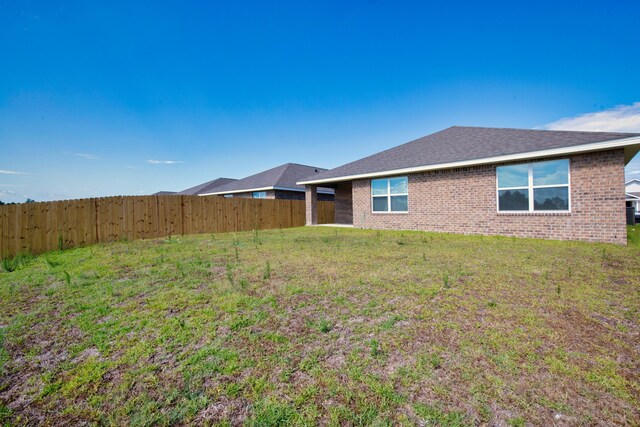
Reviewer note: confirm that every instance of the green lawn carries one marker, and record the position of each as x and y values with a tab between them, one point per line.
323	326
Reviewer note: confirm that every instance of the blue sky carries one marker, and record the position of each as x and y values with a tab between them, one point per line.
91	92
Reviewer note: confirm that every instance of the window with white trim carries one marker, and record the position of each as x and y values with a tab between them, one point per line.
390	194
259	194
534	187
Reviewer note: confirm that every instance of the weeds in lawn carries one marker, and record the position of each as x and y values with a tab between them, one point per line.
354	329
445	281
390	323
633	235
60	243
5	414
4	356
256	237
268	413
435	361
67	277
17	262
517	422
267	271
229	273
324	326
606	259
374	347
180	269
432	415
51	263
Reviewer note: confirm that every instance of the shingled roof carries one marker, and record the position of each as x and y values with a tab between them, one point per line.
283	177
459	144
207	187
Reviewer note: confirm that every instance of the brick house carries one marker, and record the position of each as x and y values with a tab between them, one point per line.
632	194
197	190
527	183
207	187
276	183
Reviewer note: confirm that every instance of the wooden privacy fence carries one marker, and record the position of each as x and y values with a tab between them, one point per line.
44	226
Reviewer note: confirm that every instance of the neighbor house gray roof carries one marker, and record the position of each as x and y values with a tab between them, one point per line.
464	144
164	193
207	187
283	177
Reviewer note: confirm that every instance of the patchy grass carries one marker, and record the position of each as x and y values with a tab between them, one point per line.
323	326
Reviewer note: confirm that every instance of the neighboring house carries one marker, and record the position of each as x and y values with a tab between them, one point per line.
207	187
199	189
632	193
276	183
515	182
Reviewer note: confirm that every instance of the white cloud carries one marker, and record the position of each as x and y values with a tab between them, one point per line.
11	172
54	196
9	185
164	162
87	156
622	118
11	194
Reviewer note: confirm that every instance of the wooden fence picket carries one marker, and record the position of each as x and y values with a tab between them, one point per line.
42	227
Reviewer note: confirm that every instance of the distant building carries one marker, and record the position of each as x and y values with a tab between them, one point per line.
275	183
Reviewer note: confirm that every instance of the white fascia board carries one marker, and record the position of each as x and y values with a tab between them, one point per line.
247	190
631	196
251	190
584	148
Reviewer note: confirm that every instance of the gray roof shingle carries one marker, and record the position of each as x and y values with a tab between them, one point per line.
207	187
283	176
461	143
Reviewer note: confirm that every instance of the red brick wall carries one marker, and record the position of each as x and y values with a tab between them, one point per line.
464	201
343	204
299	195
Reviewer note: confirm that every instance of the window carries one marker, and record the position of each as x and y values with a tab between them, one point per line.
228	196
259	194
390	194
534	187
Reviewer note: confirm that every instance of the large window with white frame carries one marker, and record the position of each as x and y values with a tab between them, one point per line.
534	187
259	194
390	194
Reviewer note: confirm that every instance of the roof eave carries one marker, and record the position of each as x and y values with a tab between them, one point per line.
631	145
251	190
